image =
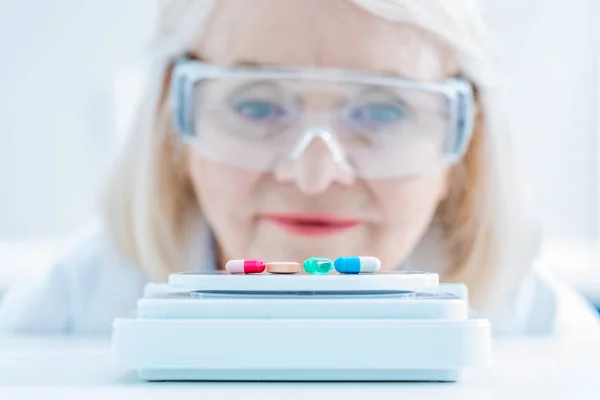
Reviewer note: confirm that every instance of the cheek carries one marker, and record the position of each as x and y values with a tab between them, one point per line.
224	193
410	201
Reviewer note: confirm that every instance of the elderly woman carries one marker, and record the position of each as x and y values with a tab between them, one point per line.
285	129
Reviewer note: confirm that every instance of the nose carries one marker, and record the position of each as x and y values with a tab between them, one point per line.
316	163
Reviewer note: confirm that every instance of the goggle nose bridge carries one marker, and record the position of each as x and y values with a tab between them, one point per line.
324	134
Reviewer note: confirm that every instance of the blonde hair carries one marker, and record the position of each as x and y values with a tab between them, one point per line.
484	234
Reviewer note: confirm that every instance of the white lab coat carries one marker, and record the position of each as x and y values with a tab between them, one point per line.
84	291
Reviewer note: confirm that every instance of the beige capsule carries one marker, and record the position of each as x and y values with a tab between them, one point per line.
283	267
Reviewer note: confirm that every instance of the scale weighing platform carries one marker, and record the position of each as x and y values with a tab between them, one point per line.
401	326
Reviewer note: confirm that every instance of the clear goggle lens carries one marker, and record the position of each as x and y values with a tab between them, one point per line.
382	127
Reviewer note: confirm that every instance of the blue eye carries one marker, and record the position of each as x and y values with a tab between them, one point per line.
259	110
378	113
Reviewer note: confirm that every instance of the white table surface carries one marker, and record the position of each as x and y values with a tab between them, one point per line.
524	368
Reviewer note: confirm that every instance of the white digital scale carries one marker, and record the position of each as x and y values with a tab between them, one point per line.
401	326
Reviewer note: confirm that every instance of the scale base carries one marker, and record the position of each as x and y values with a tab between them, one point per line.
300	349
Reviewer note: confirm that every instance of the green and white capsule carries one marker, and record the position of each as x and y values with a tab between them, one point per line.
357	265
318	266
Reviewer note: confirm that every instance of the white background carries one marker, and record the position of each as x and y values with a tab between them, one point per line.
60	114
59	60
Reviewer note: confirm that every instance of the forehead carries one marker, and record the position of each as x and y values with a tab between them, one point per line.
321	33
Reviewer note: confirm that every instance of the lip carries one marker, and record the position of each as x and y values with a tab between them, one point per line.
304	224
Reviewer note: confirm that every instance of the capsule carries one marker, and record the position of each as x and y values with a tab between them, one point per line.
318	266
283	267
357	265
245	266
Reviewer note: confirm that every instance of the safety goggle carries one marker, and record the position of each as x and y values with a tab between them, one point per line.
379	126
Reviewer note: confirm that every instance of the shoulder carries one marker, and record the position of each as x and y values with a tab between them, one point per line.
545	304
92	257
85	288
571	311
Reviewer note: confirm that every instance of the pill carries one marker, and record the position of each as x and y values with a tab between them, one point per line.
283	267
245	266
357	265
318	266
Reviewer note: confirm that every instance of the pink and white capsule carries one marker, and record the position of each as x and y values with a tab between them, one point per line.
245	266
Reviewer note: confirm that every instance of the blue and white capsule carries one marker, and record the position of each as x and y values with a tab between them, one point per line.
357	265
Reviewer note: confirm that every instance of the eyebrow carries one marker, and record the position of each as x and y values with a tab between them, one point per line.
255	64
237	63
